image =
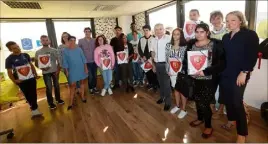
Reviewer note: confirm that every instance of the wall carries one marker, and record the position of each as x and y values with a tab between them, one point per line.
140	21
124	22
105	26
256	92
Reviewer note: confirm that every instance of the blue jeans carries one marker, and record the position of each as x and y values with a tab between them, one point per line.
48	79
107	78
137	72
92	75
116	73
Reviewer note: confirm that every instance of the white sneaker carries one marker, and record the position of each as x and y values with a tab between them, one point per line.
36	113
110	91
103	92
174	110
182	114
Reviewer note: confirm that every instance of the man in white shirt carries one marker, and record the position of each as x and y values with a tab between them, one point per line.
159	58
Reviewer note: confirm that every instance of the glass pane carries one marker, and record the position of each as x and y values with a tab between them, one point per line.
262	21
75	28
25	34
167	16
206	7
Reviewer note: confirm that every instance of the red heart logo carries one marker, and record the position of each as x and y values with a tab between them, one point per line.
148	65
135	55
44	59
175	65
190	28
121	56
106	62
24	71
198	61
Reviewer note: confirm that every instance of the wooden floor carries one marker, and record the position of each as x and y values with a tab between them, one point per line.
118	118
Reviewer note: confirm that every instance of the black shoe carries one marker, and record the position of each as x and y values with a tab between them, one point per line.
60	102
52	106
160	101
84	101
149	87
69	107
115	87
127	89
155	89
132	89
95	90
166	107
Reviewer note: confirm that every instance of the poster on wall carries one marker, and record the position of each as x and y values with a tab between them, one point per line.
26	44
38	43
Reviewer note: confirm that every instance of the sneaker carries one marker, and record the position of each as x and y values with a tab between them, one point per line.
52	106
103	92
110	92
36	113
174	110
95	90
182	114
135	84
60	102
91	91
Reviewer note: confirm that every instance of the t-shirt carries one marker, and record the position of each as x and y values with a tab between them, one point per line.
115	44
13	61
130	36
53	58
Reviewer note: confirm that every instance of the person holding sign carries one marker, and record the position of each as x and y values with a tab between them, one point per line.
124	59
175	51
241	46
203	61
22	72
75	65
104	59
47	60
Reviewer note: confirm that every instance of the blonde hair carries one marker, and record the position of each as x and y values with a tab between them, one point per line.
241	17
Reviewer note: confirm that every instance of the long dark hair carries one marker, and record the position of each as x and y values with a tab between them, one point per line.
205	27
62	41
97	40
121	41
183	41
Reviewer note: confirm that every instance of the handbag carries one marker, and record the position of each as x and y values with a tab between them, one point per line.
185	85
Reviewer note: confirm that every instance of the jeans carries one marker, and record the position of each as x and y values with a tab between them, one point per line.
107	78
137	72
28	88
92	75
48	79
116	73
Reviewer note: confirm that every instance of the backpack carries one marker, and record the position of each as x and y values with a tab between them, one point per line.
264	111
263	48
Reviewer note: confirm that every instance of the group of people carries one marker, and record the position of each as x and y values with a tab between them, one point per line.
229	54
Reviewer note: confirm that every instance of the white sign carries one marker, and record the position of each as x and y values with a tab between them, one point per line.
24	72
44	61
106	63
197	61
122	57
136	57
147	65
175	66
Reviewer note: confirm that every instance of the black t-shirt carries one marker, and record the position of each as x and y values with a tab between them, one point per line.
13	61
115	44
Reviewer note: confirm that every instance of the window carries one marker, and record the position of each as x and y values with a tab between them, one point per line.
75	28
167	16
262	21
26	34
206	7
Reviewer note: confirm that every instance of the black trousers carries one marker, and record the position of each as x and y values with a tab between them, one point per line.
216	82
204	93
28	88
152	78
233	100
126	74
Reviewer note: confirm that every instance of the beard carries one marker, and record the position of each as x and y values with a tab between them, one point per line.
45	45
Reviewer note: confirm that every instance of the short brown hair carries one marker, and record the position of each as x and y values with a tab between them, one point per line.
215	14
195	10
10	43
43	36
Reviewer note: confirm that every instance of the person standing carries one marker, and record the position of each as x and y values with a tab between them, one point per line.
16	63
116	46
176	50
130	36
50	72
144	48
87	44
241	46
159	65
75	66
105	59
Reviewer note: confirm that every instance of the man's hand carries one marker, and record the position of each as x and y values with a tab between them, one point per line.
153	54
200	73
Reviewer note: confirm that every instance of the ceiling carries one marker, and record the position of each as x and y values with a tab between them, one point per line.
75	9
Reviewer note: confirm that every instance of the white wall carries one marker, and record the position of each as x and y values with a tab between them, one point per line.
256	92
124	22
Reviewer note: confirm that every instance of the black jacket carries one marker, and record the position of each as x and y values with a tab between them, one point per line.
218	58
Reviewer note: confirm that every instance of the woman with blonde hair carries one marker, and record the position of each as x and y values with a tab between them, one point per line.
240	46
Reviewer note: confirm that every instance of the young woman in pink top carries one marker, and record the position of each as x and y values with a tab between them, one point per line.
104	59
